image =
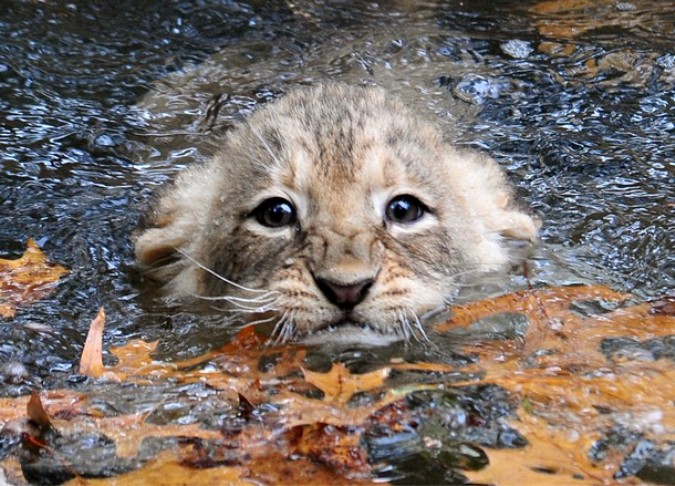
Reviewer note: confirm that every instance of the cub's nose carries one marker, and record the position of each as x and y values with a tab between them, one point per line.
344	296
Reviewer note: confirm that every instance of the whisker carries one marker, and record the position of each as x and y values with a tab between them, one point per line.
432	312
230	298
403	325
265	304
276	332
235	306
259	321
258	310
215	274
288	329
420	333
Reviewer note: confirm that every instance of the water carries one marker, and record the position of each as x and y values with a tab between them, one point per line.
102	102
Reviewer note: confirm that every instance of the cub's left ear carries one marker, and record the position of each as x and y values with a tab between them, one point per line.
519	226
491	198
510	221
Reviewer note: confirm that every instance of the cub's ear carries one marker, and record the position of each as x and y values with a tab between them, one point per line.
159	245
511	222
158	242
172	226
492	199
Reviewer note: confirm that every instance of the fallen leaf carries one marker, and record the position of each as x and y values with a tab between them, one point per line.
280	469
571	394
36	412
91	361
339	385
340	448
129	431
568	386
57	402
567	19
540	462
26	279
166	470
134	359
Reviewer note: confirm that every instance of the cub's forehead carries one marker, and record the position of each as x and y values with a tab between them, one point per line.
309	172
342	140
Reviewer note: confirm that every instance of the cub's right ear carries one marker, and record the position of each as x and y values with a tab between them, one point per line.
172	226
158	242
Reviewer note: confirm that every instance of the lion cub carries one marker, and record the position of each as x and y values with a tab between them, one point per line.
332	212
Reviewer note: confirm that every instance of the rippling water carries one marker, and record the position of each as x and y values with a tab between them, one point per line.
100	102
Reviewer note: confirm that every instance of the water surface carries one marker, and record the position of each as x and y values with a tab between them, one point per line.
102	102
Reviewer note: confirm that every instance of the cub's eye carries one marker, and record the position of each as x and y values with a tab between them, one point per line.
275	212
405	209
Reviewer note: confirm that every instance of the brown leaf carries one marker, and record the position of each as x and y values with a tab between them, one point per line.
91	361
36	411
664	306
166	469
339	385
540	462
340	448
537	305
134	359
26	279
54	402
129	431
567	19
278	469
571	393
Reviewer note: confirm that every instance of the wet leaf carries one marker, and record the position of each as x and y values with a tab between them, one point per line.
338	447
339	385
36	412
91	362
26	279
134	359
166	470
567	19
129	431
583	374
278	469
571	394
540	462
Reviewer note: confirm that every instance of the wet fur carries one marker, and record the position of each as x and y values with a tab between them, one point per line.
339	153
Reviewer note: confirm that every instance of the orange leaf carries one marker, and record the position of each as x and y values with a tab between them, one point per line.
91	362
165	469
36	411
135	360
339	385
26	279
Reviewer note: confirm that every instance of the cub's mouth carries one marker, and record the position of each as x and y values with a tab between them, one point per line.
346	328
348	332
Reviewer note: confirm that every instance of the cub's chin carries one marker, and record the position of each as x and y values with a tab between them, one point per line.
334	203
347	333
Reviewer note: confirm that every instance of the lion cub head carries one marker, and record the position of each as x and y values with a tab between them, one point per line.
332	210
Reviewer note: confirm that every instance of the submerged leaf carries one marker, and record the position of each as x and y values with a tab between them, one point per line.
339	385
580	382
26	279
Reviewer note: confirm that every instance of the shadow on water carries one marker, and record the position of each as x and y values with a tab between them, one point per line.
102	102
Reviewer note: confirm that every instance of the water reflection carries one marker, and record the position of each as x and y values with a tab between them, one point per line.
100	103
